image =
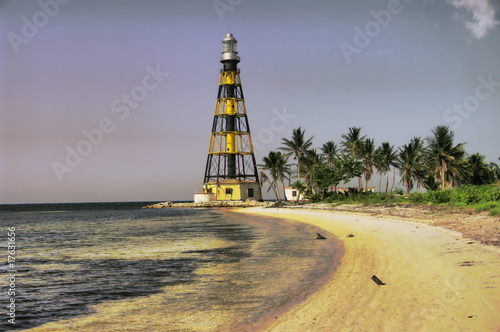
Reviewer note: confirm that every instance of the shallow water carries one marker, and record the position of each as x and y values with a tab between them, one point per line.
167	269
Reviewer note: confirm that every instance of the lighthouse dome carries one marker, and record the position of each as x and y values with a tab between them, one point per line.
229	49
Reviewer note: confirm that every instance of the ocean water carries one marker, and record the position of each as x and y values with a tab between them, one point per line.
109	268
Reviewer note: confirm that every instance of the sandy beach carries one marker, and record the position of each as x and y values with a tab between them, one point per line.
436	280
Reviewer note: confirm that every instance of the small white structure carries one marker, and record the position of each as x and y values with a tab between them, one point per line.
291	194
204	198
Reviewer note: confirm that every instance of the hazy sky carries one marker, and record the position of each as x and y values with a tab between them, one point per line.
114	100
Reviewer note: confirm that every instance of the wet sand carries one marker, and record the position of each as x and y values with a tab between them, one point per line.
435	279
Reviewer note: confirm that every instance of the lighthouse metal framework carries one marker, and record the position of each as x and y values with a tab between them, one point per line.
231	171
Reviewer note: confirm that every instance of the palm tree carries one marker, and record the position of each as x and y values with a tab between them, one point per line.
272	185
275	163
377	163
479	170
421	171
311	160
297	147
405	165
458	172
283	172
330	150
495	172
410	163
351	145
430	183
393	175
445	160
380	164
367	154
387	159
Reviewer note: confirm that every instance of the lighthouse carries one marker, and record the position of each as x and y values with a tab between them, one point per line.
231	171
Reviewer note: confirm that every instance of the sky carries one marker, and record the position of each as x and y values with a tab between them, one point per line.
114	100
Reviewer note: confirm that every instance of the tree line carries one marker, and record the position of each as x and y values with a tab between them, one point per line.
433	163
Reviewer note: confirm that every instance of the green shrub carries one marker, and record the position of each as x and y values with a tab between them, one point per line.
486	206
495	212
417	198
483	198
439	196
475	194
466	194
383	196
461	205
399	191
335	197
315	198
352	191
492	193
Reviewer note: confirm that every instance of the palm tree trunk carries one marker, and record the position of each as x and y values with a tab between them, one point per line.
284	191
379	181
275	193
298	178
387	183
442	171
441	176
393	178
276	190
298	170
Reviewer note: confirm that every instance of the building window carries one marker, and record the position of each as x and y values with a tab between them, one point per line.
229	191
294	193
250	192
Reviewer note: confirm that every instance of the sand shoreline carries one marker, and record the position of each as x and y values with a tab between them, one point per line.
270	317
436	279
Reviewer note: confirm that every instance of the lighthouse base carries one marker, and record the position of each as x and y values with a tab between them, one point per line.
233	190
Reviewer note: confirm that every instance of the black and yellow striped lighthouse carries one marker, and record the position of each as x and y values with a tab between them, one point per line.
231	171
